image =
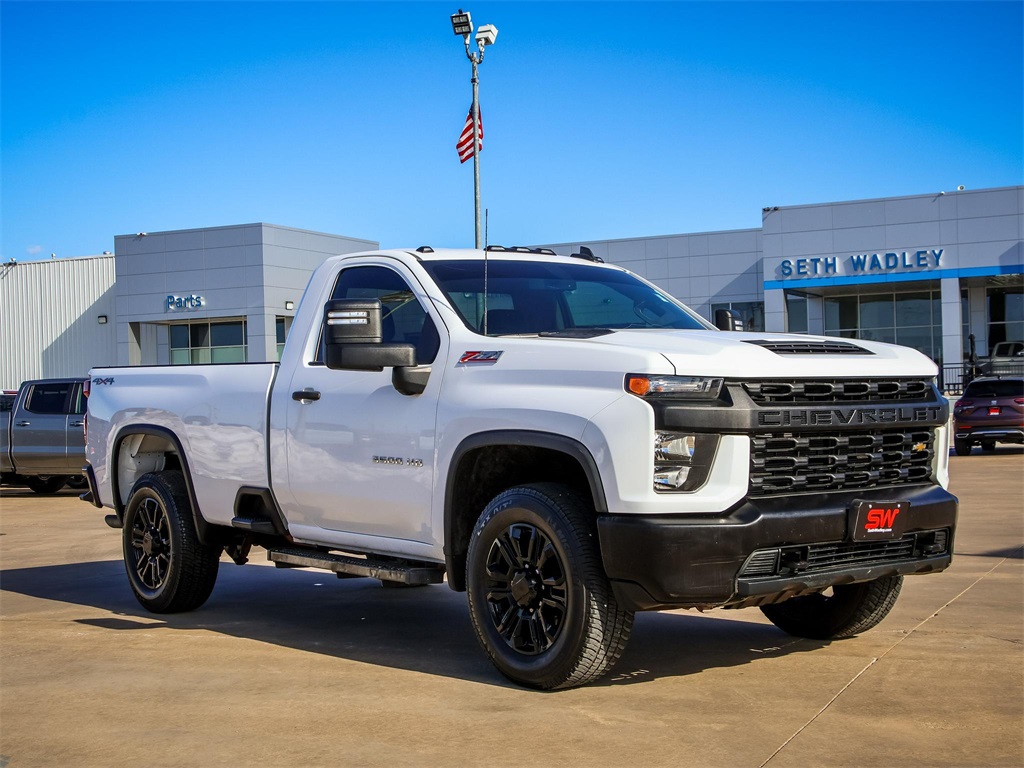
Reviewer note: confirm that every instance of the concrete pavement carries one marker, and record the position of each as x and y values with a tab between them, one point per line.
295	667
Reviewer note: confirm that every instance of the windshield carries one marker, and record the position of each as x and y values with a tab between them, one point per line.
529	297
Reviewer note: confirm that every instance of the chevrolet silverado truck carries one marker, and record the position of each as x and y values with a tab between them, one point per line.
42	443
551	434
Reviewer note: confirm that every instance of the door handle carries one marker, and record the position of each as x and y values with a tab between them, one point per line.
306	394
24	423
76	423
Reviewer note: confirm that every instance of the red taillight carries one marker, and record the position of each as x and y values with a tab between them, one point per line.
962	403
1019	400
86	385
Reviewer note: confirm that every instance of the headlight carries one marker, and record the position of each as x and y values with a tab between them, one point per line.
689	387
682	462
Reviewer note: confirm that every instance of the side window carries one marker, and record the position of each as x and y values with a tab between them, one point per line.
48	398
77	401
404	319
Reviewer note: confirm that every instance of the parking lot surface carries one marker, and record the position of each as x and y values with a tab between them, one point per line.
298	668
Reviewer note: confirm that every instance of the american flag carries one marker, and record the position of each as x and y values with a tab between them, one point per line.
465	143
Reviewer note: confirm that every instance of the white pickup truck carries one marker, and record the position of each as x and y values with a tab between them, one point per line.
554	435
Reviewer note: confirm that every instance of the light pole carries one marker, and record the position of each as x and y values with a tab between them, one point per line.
462	25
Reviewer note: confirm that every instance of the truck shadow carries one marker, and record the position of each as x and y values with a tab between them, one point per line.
423	630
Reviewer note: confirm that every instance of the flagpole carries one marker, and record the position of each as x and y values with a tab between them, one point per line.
477	229
462	25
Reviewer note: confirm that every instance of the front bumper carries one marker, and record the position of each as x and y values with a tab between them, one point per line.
685	561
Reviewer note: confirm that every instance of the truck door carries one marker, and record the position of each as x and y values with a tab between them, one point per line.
39	429
360	456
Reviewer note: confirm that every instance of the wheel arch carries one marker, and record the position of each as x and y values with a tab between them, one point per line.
155	441
487	463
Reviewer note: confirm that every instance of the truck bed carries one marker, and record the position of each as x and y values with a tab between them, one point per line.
218	414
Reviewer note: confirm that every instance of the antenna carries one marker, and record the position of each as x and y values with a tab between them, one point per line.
487	226
485	290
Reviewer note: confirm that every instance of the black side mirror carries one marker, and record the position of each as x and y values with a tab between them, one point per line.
352	338
726	320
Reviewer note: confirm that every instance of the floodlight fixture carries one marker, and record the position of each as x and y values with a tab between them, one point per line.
486	35
462	23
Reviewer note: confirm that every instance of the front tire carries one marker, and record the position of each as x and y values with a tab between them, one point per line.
988	445
539	600
848	611
962	447
169	570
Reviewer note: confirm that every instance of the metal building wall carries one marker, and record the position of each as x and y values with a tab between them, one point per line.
49	314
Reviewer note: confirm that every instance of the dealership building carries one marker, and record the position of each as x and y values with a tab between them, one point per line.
924	271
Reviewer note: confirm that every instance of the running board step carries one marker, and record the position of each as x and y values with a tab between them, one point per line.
386	570
254	524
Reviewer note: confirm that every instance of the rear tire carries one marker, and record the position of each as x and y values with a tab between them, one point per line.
962	447
169	570
46	485
848	611
539	600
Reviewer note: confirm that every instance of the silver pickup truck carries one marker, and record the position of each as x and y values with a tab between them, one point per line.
42	441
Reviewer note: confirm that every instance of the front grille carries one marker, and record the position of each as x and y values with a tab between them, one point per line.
811	347
812	558
787	462
780	391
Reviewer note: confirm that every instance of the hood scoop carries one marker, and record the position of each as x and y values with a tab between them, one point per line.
810	347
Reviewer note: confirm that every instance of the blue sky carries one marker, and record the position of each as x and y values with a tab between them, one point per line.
602	119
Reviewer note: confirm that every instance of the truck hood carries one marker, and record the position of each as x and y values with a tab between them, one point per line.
759	355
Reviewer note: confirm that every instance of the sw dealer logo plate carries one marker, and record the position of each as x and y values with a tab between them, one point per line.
879	520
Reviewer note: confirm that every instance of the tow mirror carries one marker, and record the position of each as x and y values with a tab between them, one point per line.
727	320
352	338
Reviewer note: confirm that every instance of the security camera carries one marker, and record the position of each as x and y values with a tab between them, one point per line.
960	188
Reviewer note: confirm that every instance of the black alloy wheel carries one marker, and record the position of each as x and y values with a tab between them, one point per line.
151	544
527	591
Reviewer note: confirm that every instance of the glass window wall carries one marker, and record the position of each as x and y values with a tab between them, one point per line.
208	342
1005	315
911	319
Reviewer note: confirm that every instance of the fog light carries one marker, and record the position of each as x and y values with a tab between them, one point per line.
669	446
682	462
670	478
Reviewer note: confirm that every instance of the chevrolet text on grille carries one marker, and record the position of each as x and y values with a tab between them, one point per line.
806	417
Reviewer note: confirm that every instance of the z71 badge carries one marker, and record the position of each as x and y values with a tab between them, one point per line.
480	358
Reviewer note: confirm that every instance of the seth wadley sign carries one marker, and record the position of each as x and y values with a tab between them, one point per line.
862	263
